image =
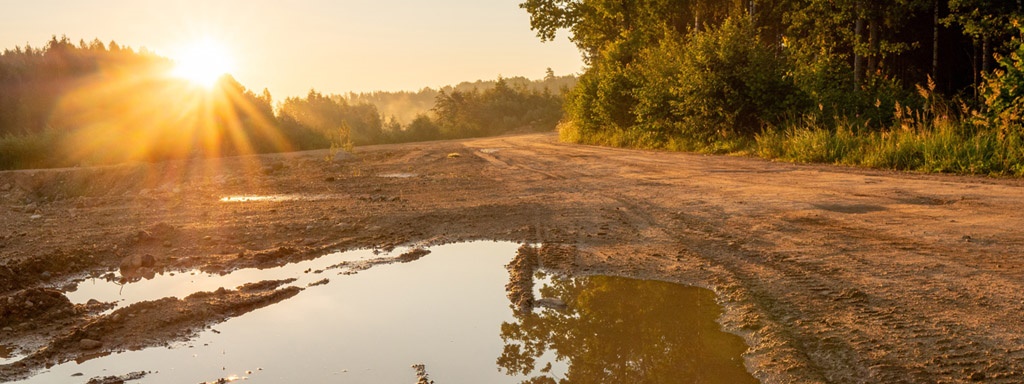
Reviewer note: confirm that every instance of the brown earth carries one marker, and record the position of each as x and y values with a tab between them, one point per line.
831	274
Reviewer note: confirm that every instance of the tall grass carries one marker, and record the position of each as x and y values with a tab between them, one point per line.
918	142
950	147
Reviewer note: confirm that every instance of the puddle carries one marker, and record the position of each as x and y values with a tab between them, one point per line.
490	150
397	175
447	310
278	198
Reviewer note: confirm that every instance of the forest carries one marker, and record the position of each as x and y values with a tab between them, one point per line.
928	85
91	103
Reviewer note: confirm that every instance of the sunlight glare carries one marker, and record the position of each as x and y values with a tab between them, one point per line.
202	62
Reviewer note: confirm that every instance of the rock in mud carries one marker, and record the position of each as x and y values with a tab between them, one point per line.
89	344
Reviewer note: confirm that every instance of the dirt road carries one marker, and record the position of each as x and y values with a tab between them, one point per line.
831	274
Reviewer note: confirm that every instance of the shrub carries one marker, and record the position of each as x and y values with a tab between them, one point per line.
731	81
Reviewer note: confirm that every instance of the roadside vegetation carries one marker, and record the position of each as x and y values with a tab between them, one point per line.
923	85
96	103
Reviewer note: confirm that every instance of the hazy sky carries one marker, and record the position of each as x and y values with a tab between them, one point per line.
334	46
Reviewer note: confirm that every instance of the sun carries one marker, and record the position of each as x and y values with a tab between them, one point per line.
202	62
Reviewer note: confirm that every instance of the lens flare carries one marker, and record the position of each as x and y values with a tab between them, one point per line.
202	62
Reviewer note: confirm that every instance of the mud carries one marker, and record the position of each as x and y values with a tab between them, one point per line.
831	274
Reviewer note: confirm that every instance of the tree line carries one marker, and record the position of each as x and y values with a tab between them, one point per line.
773	76
404	106
69	104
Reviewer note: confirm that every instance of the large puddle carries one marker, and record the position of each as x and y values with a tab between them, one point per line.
448	311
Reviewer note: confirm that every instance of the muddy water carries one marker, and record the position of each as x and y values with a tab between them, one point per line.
448	311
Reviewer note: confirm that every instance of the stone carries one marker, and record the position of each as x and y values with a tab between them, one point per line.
89	344
147	261
36	217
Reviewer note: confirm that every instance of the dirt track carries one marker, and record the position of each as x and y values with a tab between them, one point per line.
832	274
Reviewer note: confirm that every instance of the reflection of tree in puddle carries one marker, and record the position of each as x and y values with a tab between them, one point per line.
618	330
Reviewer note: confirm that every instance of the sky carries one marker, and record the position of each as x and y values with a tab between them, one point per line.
334	46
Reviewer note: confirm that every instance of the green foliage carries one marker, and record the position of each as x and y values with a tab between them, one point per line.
845	82
1003	91
729	81
405	106
497	110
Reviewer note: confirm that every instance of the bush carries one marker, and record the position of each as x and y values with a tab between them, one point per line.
1003	91
730	81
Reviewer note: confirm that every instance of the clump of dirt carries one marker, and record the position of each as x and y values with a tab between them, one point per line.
412	255
520	285
34	269
118	379
34	304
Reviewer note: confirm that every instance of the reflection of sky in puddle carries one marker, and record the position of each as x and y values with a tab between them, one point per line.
182	284
448	310
278	198
397	175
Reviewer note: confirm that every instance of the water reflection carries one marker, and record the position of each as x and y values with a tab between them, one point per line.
279	198
403	175
618	330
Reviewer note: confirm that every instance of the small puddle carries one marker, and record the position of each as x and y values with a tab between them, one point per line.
490	150
279	198
397	175
448	310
